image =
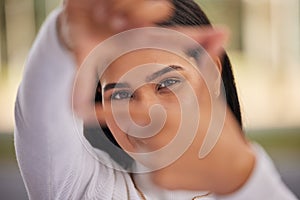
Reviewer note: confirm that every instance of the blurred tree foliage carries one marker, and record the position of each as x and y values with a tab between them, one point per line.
39	9
3	50
226	12
39	12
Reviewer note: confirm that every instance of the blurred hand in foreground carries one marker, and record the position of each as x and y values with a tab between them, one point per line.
84	24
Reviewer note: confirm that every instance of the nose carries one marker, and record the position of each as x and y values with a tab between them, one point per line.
144	102
147	114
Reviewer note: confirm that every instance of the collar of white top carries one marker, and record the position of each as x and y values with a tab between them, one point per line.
153	192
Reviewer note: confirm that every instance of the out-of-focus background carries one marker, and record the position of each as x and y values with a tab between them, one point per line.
264	49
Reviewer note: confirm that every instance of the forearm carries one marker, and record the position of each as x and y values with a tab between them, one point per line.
48	137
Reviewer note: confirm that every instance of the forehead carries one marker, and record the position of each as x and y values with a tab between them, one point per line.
152	59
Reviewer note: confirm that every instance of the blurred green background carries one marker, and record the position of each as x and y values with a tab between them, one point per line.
264	49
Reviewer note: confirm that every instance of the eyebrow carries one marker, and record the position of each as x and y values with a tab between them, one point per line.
149	78
110	86
163	71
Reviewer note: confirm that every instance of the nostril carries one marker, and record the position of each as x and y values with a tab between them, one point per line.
141	108
140	116
148	123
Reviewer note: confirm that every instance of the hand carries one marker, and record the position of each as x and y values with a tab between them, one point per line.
83	24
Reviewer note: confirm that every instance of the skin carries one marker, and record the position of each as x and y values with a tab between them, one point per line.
84	24
229	164
201	173
149	94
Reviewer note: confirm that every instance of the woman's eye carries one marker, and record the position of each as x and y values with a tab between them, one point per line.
167	83
120	95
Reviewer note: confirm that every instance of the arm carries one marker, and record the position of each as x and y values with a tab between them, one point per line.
48	137
56	161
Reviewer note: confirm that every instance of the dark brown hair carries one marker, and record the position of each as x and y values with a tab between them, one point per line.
188	13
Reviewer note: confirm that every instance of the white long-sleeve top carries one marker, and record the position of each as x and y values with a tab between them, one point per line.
56	161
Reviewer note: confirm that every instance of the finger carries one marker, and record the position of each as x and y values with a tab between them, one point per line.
211	39
83	94
101	11
123	6
137	13
116	13
150	12
100	113
81	5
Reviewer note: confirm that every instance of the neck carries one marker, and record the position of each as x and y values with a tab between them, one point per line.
146	184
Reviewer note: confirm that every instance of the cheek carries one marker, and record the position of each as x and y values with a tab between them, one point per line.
201	92
168	132
118	134
205	108
163	137
169	129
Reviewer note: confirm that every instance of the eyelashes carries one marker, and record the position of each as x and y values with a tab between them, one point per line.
162	87
121	95
167	84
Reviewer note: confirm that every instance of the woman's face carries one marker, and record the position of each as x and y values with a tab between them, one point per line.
139	80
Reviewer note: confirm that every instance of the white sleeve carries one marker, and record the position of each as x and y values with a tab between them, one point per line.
264	183
55	160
